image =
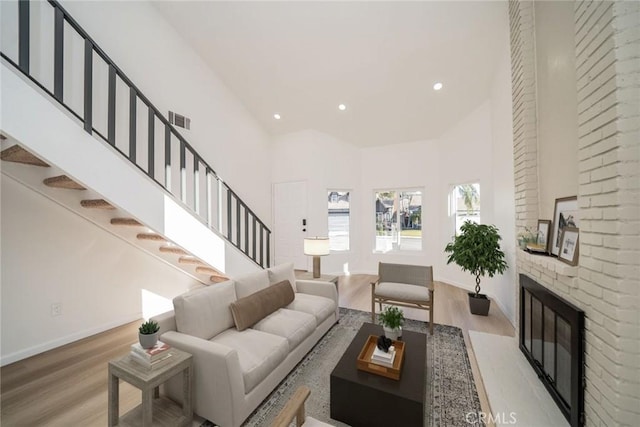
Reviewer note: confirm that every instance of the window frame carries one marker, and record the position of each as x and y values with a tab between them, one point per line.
453	205
341	190
398	249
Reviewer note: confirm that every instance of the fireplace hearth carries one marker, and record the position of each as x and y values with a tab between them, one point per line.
552	339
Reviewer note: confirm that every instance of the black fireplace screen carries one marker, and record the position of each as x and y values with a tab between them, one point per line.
551	337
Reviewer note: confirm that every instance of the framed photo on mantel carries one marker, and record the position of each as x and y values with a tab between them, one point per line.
544	232
569	246
565	215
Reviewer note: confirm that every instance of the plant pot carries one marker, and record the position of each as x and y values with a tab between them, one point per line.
479	304
392	334
148	340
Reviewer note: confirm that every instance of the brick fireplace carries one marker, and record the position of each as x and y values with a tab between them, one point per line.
576	114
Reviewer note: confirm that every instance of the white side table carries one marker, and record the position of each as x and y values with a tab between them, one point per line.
154	410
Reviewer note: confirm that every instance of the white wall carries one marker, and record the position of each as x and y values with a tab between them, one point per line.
401	166
557	105
50	255
324	163
169	72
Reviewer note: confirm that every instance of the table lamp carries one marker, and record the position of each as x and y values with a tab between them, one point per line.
316	247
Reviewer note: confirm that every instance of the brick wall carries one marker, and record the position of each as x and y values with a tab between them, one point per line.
608	80
606	284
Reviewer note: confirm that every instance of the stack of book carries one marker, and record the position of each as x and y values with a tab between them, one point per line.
151	358
383	358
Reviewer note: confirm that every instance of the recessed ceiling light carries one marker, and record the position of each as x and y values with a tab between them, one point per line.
342	107
437	86
277	116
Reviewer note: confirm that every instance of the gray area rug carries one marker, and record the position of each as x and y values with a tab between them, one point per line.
451	392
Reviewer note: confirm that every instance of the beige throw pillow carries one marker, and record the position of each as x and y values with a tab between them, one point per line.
250	310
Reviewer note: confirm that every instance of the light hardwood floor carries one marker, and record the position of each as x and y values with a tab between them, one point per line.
68	386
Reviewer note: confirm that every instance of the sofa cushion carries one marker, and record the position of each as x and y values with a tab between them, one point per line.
320	307
259	353
402	291
282	272
248	284
293	325
205	312
255	307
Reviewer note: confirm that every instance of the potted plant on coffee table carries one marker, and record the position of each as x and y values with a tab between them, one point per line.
392	319
477	250
148	334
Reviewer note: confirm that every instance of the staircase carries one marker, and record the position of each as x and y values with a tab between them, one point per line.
158	193
59	186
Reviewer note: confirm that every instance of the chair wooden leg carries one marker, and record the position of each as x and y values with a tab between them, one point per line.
431	320
373	310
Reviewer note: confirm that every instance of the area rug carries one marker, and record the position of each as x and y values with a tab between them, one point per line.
451	396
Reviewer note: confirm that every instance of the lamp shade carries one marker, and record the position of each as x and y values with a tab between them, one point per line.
316	246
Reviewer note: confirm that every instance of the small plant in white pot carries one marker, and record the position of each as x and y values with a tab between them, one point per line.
148	334
392	319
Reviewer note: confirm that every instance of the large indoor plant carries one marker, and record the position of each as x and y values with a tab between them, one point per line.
392	319
477	250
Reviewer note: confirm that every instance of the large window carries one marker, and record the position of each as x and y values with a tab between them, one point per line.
398	220
464	202
338	220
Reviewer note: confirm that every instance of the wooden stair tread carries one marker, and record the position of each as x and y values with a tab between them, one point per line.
173	250
17	154
190	260
126	221
151	236
207	270
96	204
63	181
218	279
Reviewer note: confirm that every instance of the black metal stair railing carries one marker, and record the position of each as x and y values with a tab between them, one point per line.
227	213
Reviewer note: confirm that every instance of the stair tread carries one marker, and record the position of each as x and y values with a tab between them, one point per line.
63	181
207	270
190	260
173	250
218	279
17	154
126	221
96	204
151	236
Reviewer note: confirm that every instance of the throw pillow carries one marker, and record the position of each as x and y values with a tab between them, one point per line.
283	272
250	310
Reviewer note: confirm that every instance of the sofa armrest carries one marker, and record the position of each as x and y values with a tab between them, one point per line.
319	288
217	377
166	321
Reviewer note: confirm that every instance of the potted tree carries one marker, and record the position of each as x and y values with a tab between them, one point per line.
392	319
148	334
477	250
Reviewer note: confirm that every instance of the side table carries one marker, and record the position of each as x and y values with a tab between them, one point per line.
323	277
154	410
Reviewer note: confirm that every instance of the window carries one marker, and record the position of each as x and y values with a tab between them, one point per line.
398	220
338	203
464	202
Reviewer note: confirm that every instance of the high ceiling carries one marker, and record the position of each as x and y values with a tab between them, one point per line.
381	59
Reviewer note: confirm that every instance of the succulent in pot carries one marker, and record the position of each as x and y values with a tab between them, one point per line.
148	334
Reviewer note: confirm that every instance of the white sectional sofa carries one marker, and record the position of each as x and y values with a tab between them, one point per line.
235	368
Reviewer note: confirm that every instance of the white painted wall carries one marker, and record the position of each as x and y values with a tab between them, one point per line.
505	287
557	105
324	163
50	255
400	166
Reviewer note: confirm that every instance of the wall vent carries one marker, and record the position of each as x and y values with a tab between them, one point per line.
179	120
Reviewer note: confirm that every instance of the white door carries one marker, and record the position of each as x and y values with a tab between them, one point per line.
290	213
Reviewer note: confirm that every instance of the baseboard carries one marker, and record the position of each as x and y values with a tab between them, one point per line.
49	345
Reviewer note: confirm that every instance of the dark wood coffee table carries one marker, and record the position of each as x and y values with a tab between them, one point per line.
360	398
